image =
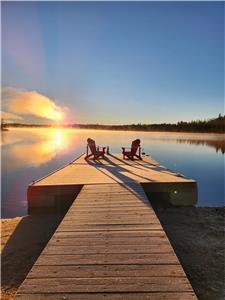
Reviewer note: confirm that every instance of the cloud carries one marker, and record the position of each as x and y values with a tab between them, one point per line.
9	116
31	103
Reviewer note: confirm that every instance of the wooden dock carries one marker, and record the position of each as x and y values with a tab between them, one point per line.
157	181
110	244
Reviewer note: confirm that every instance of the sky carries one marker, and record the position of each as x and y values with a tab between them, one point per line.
113	62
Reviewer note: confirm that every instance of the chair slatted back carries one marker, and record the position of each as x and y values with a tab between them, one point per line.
134	146
92	145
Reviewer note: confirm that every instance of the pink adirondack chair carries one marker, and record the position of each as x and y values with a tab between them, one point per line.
135	147
94	150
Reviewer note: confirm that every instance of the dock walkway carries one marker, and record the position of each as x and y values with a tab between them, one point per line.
110	245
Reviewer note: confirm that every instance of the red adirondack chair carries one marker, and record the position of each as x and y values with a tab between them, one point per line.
94	150
135	147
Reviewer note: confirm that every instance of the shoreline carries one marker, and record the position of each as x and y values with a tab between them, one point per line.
196	234
121	130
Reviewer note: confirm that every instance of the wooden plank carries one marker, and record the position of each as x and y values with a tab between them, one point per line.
110	296
111	222
111	234
121	200
110	201
105	258
112	241
107	215
123	188
109	212
123	185
94	217
112	189
113	205
107	227
112	194
103	218
91	271
96	249
94	214
112	197
79	221
116	196
78	210
113	284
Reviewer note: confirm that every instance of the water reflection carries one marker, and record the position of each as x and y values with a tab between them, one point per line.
28	154
218	144
35	149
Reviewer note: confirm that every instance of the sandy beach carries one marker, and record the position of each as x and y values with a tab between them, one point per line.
197	235
22	240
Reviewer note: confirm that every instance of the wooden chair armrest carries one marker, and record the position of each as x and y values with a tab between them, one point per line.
103	148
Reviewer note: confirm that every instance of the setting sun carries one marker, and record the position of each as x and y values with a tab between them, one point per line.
58	116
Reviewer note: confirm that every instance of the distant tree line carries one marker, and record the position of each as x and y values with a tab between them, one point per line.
216	125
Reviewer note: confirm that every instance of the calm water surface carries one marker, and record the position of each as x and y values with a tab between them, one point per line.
28	154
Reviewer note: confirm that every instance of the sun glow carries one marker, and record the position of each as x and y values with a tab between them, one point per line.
58	137
58	116
50	112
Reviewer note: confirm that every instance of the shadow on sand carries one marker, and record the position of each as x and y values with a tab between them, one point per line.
24	247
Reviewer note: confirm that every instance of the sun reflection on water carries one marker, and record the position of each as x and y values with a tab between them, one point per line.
34	149
58	137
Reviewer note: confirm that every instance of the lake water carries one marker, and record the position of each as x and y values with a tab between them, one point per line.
28	154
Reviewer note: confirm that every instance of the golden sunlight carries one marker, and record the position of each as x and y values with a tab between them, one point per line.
58	137
44	147
58	116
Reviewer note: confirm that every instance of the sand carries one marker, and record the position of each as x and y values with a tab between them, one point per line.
197	235
22	240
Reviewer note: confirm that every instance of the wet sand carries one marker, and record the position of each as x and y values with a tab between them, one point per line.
197	235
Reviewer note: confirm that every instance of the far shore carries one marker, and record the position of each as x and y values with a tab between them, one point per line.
196	234
119	130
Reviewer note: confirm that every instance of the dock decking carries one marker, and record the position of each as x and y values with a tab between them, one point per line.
112	169
110	245
156	179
